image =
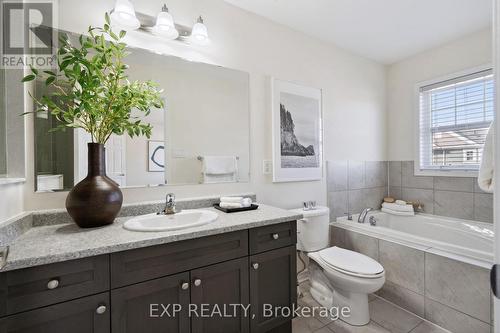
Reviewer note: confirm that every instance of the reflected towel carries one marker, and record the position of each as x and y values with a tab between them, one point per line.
219	165
485	179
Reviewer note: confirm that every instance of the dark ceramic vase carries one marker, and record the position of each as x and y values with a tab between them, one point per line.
96	200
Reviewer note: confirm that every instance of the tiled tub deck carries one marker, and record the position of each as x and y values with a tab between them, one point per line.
448	292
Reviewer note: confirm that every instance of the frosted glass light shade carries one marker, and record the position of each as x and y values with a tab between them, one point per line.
164	26
123	16
199	34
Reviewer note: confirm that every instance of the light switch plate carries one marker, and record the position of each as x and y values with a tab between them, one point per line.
267	167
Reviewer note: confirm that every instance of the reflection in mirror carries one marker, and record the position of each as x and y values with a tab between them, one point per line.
3	127
12	166
200	136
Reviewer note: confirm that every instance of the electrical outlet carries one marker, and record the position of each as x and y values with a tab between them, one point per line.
267	167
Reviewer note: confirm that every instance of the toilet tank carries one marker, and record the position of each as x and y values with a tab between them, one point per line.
313	230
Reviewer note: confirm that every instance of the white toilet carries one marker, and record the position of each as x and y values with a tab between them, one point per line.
338	277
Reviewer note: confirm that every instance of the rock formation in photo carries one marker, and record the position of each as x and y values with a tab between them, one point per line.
290	145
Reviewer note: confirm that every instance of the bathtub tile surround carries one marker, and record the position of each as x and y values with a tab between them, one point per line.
405	298
454	204
355	185
455	321
404	266
450	293
355	241
408	178
461	286
458	197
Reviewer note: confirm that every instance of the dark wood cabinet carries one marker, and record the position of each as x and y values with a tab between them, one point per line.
34	287
139	265
148	307
85	315
221	286
160	288
273	284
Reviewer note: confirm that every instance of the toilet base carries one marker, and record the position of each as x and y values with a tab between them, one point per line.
326	295
359	314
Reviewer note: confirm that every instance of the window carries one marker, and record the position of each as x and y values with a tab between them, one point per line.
454	118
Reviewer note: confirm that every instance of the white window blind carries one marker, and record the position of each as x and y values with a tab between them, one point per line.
454	119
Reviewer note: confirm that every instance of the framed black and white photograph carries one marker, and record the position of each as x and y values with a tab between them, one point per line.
156	156
297	132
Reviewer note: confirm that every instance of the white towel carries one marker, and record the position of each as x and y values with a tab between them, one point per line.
397	207
485	179
247	202
219	165
395	212
235	202
220	169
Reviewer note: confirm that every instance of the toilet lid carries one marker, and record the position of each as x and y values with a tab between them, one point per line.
350	261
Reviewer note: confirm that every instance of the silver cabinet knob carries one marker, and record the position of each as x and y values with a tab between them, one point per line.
185	286
276	236
100	309
197	282
255	265
53	284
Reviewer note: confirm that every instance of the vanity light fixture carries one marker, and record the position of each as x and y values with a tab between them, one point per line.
123	16
126	18
165	26
199	34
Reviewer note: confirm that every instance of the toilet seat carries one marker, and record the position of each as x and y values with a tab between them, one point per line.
351	263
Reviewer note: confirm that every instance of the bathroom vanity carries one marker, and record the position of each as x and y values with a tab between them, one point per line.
122	280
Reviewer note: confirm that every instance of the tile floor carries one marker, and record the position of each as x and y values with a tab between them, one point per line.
385	318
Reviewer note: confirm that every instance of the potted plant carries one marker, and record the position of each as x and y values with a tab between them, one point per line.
92	92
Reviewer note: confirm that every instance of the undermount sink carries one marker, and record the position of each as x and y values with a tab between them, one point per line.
185	219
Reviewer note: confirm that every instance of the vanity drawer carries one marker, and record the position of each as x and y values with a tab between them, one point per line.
273	236
139	265
34	287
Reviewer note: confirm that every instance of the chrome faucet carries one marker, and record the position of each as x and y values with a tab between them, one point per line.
169	205
364	213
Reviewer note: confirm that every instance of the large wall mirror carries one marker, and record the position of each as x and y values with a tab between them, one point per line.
12	166
201	136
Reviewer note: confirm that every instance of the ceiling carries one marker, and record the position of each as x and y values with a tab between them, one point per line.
386	31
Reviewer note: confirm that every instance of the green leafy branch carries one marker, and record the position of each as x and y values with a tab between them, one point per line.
91	89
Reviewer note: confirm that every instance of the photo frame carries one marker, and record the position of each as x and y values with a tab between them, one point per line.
156	156
297	132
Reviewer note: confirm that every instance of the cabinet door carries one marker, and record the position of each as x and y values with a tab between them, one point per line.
149	307
85	315
220	286
273	283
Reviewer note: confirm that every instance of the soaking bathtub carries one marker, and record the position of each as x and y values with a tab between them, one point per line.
463	240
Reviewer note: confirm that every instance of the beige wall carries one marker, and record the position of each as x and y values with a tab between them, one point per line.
353	92
466	53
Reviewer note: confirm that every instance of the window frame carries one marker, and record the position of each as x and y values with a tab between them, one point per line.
418	86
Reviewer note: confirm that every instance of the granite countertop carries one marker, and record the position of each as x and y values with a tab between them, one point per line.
59	242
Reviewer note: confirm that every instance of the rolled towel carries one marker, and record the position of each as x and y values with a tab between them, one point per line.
241	201
246	202
398	208
230	205
231	199
395	212
400	202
